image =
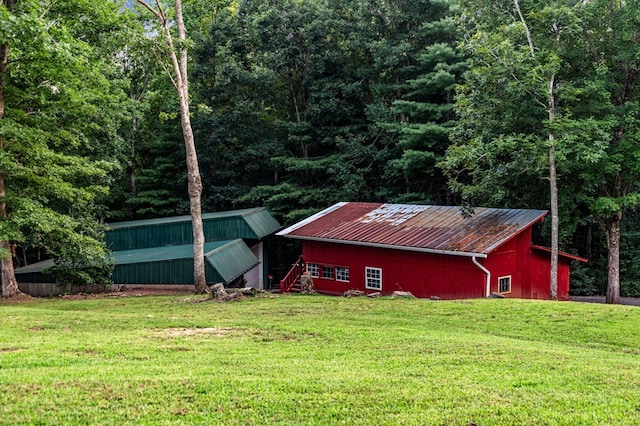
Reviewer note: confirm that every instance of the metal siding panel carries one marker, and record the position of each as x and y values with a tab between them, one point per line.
165	272
159	265
262	223
248	223
232	260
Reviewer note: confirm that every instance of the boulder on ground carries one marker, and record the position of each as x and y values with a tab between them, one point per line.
306	284
353	293
248	291
376	294
233	296
406	294
217	291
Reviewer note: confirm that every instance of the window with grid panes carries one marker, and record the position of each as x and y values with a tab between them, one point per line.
373	278
327	272
313	269
342	274
504	284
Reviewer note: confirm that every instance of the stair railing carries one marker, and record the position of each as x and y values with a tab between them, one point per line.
292	277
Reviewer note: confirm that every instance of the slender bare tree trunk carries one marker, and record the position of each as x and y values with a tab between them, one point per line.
613	270
553	190
181	83
553	177
9	283
132	155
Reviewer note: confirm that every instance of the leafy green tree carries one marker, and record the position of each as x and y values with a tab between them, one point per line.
537	104
610	30
60	109
236	123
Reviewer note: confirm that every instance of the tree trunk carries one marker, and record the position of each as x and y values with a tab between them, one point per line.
195	194
9	283
553	192
181	83
553	186
193	169
132	155
613	269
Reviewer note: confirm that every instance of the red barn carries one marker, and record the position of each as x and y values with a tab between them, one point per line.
430	251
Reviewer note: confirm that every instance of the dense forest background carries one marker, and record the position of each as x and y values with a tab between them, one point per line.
297	105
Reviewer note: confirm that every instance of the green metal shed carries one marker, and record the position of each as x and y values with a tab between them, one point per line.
225	262
249	224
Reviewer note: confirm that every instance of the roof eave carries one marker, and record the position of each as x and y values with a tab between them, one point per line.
285	232
388	246
560	253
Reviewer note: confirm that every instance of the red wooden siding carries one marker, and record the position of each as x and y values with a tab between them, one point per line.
429	250
423	274
444	276
541	269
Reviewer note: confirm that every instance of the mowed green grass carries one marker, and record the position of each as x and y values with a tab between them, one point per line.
318	360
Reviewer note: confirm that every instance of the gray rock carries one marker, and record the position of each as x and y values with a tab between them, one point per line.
306	284
406	294
248	291
353	293
218	291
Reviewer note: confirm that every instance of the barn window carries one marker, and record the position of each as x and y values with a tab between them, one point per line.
342	274
313	269
504	284
327	272
373	278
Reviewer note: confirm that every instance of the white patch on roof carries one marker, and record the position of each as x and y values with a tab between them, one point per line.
393	214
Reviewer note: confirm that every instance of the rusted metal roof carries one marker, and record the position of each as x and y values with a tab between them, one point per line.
438	229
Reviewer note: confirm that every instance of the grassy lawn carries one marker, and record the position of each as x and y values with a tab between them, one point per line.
318	360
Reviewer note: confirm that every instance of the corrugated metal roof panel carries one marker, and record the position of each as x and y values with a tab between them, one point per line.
261	222
254	223
417	227
232	260
225	261
160	254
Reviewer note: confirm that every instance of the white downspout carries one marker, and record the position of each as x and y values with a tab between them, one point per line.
486	271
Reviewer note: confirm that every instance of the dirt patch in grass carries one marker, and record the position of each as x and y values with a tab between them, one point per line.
3	350
16	300
133	292
123	292
210	331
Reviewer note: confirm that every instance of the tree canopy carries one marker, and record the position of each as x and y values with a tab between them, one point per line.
296	105
61	105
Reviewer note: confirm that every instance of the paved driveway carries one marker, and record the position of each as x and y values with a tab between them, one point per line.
634	301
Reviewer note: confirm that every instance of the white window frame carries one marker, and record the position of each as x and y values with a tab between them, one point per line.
373	278
508	278
342	274
313	269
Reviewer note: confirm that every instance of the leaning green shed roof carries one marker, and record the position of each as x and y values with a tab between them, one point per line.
255	223
225	261
232	260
